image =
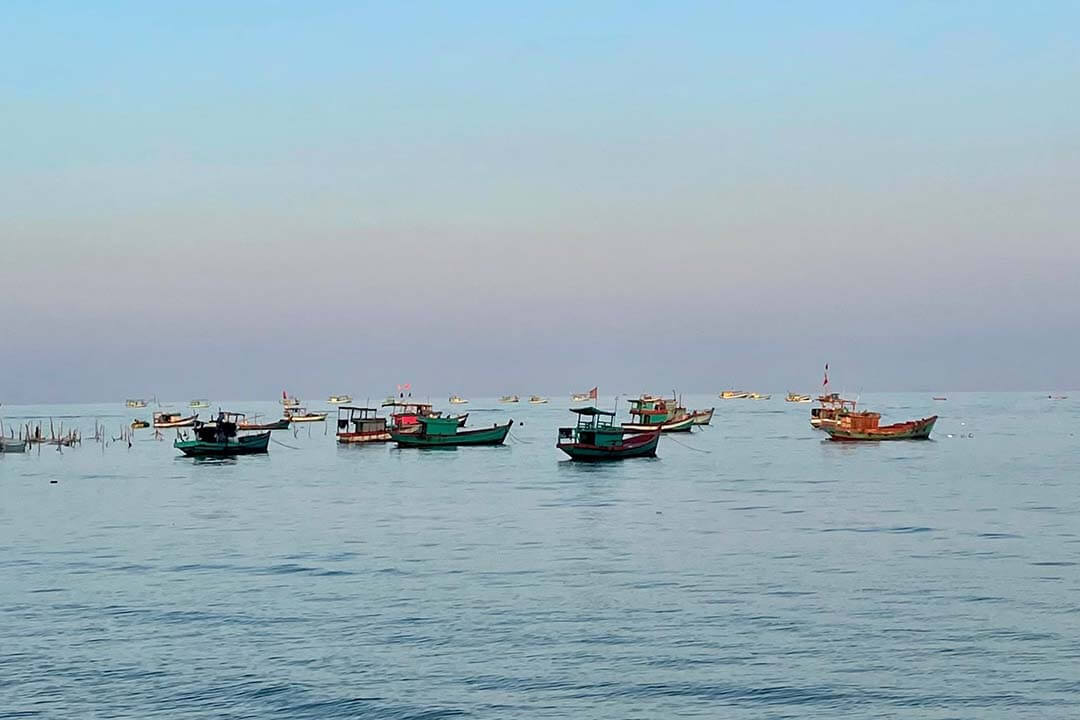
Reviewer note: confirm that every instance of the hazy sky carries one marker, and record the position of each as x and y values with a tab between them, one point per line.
226	199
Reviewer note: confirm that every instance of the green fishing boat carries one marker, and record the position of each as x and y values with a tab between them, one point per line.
444	432
596	438
657	413
219	439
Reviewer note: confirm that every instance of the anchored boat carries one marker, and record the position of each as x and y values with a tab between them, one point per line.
299	414
135	403
831	406
734	395
457	400
509	399
537	400
796	398
585	396
289	401
656	413
339	399
243	424
596	438
366	425
199	404
138	424
444	432
703	417
219	439
166	420
864	426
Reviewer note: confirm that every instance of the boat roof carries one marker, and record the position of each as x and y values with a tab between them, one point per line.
590	411
402	403
357	408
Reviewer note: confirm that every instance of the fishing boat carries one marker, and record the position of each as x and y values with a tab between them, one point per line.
830	408
457	400
940	398
165	420
758	396
12	445
135	403
219	438
289	401
653	412
537	400
339	399
138	424
596	438
796	398
509	399
702	417
864	426
361	425
444	432
300	415
243	424
585	396
199	404
734	395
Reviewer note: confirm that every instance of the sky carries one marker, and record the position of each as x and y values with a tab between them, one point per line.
228	199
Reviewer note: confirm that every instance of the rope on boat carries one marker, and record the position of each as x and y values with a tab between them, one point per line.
517	439
688	447
291	447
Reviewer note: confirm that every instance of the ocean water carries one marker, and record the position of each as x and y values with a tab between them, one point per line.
751	571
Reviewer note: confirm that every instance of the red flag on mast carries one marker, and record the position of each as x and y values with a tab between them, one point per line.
593	392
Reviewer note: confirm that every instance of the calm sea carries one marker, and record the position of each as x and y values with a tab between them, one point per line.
752	571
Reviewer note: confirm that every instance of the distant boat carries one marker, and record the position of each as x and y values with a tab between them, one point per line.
165	420
734	395
864	426
339	399
135	403
657	413
596	438
509	399
537	400
361	425
299	414
199	404
796	398
1057	397
289	401
219	438
457	400
585	396
138	424
758	396
444	432
937	397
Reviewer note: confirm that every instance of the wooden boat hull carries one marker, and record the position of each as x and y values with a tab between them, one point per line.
703	417
495	435
188	421
348	438
912	430
282	424
684	424
637	446
316	417
243	445
12	445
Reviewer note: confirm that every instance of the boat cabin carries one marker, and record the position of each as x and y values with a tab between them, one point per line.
167	417
438	425
406	414
363	420
652	410
858	421
594	427
220	430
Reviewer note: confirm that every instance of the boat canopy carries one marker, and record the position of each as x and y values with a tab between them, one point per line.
590	411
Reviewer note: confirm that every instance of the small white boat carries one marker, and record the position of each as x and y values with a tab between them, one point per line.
457	400
289	401
165	420
509	399
135	403
537	400
199	404
299	414
339	399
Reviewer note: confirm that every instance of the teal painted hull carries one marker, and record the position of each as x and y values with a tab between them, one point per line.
484	436
244	445
637	446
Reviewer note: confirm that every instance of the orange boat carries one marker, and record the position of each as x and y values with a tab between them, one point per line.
864	426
